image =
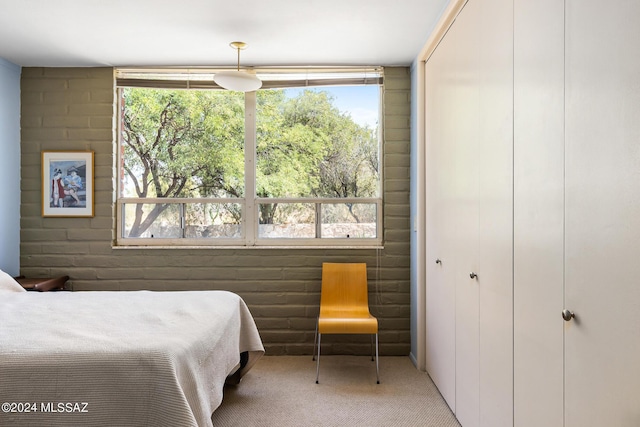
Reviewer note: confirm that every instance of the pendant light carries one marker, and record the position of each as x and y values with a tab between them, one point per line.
237	80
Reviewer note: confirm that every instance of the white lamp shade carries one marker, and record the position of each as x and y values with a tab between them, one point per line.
238	81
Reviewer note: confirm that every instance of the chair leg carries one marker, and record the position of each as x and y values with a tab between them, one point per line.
314	341
318	359
377	366
372	351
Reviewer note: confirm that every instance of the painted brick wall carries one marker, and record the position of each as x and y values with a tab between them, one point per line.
73	109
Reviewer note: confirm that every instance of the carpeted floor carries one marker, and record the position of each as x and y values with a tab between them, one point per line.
280	391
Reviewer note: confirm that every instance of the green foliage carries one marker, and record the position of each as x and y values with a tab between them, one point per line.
287	151
184	143
191	144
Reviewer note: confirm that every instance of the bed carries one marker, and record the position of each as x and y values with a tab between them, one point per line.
135	358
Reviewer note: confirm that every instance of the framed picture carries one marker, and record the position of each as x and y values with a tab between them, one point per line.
67	183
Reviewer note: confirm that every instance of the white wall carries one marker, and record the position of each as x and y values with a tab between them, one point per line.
418	315
417	217
10	167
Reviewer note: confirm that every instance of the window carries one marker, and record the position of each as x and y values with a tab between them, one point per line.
296	163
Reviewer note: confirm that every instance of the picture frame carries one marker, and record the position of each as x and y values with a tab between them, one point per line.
67	184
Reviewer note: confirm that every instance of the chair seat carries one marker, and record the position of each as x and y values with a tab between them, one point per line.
348	325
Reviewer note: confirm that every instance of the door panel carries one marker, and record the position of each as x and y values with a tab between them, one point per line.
538	213
465	205
495	195
602	343
440	290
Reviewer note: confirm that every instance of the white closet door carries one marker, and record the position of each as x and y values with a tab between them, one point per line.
465	203
602	343
440	256
538	213
495	194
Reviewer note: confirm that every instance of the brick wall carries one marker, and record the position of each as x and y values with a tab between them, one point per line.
73	109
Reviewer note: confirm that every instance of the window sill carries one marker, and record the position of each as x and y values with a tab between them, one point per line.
145	247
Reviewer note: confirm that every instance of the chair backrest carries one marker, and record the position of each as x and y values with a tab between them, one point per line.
344	288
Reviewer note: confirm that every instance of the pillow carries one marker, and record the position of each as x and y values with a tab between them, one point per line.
8	284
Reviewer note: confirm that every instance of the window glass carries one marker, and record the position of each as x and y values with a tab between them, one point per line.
349	220
182	143
320	142
152	220
313	166
213	220
287	220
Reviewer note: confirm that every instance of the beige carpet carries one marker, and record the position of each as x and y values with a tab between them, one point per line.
280	391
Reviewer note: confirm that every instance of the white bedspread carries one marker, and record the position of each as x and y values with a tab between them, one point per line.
120	358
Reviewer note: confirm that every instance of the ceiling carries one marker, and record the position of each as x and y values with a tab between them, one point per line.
77	33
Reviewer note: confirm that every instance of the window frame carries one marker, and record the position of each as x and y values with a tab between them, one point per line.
249	219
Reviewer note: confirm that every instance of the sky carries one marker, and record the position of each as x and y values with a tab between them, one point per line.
361	102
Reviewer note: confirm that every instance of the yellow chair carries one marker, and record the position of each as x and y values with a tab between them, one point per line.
344	306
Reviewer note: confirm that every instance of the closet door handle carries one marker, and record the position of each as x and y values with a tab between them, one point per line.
473	275
438	261
567	315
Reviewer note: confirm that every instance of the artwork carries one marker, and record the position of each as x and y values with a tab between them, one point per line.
67	183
